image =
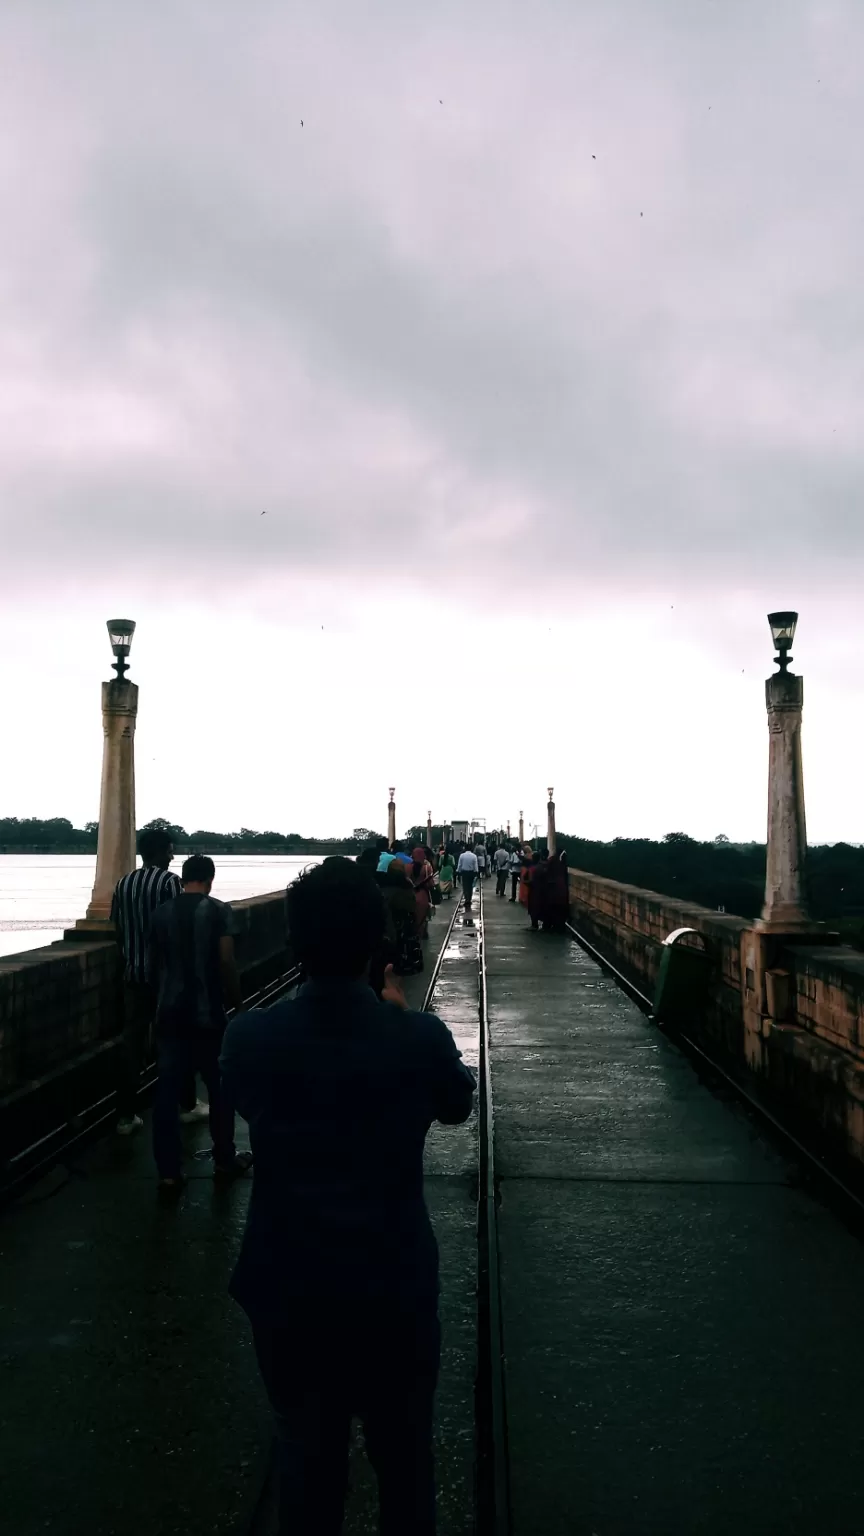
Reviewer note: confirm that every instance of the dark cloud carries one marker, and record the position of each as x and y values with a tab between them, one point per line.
430	325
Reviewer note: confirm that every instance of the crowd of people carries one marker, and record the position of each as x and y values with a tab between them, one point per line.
338	1271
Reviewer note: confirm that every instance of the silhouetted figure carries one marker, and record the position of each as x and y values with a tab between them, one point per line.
136	898
191	965
338	1271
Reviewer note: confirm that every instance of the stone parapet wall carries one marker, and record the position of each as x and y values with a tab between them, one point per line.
62	1005
808	1062
628	926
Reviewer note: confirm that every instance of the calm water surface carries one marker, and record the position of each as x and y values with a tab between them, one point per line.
41	894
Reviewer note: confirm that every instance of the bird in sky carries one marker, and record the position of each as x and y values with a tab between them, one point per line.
301	122
264	513
593	157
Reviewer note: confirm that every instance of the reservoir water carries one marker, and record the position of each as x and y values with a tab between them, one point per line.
41	894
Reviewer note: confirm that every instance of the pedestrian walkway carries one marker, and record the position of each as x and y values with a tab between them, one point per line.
683	1351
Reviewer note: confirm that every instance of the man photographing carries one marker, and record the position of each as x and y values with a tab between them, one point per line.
338	1272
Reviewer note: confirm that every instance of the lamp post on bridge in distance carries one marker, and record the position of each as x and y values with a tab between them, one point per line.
428	829
391	820
551	841
521	827
785	908
115	848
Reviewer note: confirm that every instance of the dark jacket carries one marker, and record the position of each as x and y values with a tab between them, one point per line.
339	1090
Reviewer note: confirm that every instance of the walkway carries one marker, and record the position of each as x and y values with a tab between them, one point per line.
681	1324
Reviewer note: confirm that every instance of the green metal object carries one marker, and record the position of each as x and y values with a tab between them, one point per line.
683	980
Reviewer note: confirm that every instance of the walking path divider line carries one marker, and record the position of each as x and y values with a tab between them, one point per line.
493	1481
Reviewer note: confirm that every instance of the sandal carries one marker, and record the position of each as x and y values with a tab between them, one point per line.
239	1169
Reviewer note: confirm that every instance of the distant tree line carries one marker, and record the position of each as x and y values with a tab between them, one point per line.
726	874
57	835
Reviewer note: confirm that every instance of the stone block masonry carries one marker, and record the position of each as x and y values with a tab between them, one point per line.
61	1016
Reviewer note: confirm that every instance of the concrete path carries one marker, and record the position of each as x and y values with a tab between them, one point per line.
129	1397
682	1330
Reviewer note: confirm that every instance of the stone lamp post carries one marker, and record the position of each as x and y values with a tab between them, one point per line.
115	850
391	820
521	827
551	842
785	909
428	829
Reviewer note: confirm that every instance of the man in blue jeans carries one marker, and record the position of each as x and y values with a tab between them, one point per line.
192	969
338	1272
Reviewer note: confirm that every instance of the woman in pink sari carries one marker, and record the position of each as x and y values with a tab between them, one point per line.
422	878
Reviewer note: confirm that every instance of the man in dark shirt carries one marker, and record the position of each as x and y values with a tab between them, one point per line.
338	1271
136	898
191	965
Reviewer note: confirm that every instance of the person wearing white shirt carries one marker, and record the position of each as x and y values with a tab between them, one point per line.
468	869
515	867
501	861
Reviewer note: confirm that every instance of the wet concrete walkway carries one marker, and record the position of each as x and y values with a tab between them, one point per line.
682	1330
129	1398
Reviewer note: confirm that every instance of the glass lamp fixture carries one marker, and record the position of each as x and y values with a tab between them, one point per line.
120	632
783	633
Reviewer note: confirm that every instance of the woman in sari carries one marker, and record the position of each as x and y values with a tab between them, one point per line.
555	903
446	875
525	873
422	878
537	889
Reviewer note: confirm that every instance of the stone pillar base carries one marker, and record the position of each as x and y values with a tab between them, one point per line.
91	928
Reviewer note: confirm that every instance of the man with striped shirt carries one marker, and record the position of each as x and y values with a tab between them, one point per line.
136	898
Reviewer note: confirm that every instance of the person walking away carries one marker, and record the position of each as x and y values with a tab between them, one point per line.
537	889
502	864
555	913
446	875
136	898
515	867
191	964
338	1270
482	861
525	865
403	947
422	878
468	870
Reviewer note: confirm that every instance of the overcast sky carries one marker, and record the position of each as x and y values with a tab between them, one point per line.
537	333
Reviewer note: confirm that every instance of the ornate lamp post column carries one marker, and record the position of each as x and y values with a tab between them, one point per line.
391	820
521	827
115	849
428	829
551	842
785	908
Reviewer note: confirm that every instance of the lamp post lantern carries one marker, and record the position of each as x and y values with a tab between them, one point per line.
391	820
785	908
115	848
551	842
